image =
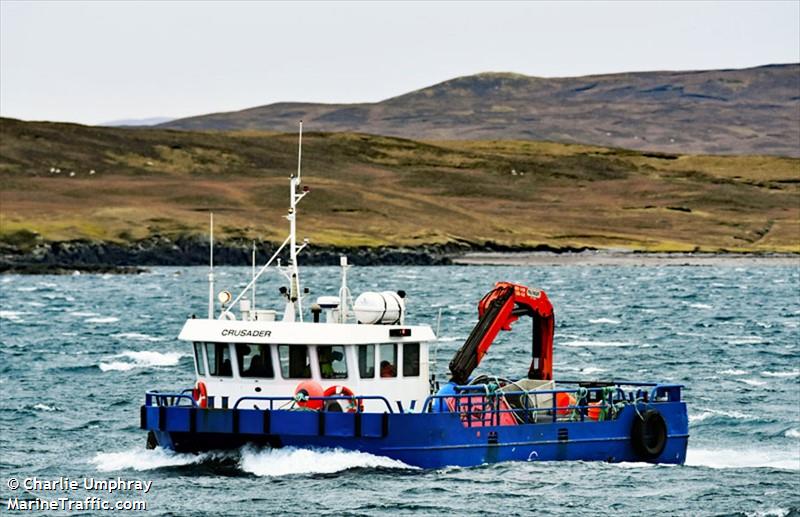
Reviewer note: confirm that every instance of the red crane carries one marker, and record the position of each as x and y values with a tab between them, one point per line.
501	307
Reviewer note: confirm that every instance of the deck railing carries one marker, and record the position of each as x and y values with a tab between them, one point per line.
157	398
480	404
485	405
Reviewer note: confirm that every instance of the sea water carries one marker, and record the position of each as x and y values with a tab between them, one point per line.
78	352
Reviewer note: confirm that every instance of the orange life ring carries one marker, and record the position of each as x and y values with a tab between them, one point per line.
200	394
353	405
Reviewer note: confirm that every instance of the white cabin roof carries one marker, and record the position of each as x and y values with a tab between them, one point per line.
300	333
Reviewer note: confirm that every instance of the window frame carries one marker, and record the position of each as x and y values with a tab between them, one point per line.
344	360
309	365
374	360
395	362
240	366
222	346
199	349
419	359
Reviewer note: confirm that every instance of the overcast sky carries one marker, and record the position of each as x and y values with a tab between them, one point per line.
93	62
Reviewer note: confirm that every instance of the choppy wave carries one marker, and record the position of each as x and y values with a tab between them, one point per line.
791	373
738	458
142	359
734	372
753	382
83	314
289	460
707	413
700	306
136	336
12	315
589	343
106	319
146	459
608	321
792	433
592	369
745	340
770	512
45	407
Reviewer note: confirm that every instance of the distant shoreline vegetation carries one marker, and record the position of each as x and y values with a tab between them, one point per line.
78	195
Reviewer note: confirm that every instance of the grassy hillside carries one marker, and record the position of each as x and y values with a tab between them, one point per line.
749	111
372	190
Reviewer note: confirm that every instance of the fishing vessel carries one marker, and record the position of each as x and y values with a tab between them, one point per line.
355	375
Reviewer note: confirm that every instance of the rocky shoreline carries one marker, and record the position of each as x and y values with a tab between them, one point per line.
110	257
133	258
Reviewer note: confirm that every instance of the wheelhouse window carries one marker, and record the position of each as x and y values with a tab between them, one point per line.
366	361
295	363
198	359
388	358
332	362
219	359
254	360
411	360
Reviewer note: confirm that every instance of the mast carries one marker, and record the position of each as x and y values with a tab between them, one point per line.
211	267
253	280
294	305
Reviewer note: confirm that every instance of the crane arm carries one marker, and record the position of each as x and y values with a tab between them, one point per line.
497	311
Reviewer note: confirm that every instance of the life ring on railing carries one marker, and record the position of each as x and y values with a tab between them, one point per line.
200	394
353	405
649	434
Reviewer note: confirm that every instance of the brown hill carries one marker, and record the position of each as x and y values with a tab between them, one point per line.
749	111
122	185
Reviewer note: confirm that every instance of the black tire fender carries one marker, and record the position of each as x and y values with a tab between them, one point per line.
152	443
649	434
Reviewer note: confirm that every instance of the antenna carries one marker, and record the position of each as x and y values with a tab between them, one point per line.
295	302
253	281
211	267
299	151
294	308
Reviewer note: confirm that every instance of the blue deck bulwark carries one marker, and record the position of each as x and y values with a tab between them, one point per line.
428	440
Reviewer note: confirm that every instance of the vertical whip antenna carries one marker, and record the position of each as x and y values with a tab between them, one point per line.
253	281
211	267
299	151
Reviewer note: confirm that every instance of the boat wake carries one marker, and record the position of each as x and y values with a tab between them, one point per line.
738	459
289	461
252	460
143	359
148	459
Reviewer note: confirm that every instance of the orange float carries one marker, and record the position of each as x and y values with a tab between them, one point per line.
563	401
594	410
307	389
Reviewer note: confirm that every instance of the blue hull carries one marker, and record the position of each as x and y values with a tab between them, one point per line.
427	440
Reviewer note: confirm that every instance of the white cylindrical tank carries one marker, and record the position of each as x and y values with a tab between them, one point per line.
385	308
